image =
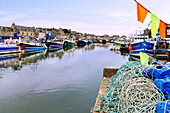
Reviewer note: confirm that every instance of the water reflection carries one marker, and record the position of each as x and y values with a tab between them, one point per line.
103	45
123	53
51	80
18	60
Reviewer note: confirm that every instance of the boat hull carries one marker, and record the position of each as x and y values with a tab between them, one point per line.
124	49
104	41
81	43
89	42
30	47
144	47
67	43
53	45
117	43
8	48
132	58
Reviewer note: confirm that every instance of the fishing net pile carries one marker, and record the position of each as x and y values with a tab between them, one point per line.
129	91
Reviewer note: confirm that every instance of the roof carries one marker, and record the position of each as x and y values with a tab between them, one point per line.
24	28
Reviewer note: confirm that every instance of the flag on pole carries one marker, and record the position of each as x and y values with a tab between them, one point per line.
162	29
141	12
154	25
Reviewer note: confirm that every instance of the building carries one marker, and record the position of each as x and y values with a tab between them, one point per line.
90	36
23	30
73	33
40	32
61	32
6	32
116	37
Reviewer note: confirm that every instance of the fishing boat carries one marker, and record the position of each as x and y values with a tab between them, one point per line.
131	58
89	42
82	42
55	43
141	44
104	41
9	46
69	42
121	42
31	45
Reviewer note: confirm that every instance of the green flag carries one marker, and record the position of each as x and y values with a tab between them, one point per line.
154	25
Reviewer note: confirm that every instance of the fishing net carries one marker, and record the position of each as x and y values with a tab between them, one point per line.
128	91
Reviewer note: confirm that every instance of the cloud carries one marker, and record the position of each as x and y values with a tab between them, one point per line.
97	29
8	20
3	12
119	16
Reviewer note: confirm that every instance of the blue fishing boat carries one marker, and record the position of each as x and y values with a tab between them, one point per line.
89	42
131	58
141	44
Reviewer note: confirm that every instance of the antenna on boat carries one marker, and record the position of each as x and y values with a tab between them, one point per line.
145	33
149	24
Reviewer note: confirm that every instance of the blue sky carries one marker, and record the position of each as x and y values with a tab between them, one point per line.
87	16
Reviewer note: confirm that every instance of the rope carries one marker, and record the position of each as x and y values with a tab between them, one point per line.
128	91
165	107
139	95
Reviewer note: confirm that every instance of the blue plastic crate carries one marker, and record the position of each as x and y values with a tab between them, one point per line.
163	84
160	71
161	107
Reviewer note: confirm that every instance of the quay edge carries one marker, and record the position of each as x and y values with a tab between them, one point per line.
108	72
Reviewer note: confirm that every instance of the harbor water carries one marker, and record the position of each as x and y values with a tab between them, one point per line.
61	81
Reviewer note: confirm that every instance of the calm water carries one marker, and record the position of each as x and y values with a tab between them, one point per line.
65	81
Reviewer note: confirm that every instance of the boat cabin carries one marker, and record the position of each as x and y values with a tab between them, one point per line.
139	38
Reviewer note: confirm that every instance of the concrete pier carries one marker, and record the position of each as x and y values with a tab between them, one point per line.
108	72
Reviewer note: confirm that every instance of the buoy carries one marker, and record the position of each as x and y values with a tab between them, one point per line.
130	48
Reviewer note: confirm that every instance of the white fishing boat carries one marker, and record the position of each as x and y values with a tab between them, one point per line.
30	45
9	46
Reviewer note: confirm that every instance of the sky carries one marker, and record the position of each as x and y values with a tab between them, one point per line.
99	17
